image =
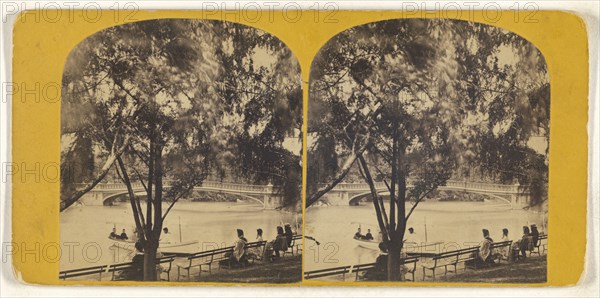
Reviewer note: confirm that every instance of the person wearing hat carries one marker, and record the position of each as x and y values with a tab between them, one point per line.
239	248
535	235
485	248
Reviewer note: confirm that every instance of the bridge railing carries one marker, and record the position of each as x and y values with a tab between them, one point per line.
483	186
109	186
206	184
239	187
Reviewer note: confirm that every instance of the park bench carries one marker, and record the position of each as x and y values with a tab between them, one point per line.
536	247
119	268
328	272
497	247
66	274
409	262
343	270
247	247
207	258
450	258
204	258
259	246
296	243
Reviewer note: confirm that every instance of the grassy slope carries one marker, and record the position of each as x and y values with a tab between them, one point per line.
286	270
530	270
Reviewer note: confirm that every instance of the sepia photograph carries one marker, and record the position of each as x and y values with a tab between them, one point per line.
181	145
428	154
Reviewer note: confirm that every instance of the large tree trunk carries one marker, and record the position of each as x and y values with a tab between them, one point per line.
394	248
150	260
139	224
378	210
158	194
154	221
397	241
149	189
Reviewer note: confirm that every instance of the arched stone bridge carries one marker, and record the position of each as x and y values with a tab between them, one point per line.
267	195
352	193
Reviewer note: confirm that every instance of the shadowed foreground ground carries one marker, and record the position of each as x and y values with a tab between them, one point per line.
286	270
530	270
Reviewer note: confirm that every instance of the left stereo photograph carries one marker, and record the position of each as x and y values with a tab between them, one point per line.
180	155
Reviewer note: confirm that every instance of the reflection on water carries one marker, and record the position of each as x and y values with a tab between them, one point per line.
84	230
457	224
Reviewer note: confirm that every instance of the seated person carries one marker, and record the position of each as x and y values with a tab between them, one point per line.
379	272
485	248
136	272
257	252
526	242
239	249
273	247
113	234
280	242
535	235
124	235
484	256
358	234
369	236
289	235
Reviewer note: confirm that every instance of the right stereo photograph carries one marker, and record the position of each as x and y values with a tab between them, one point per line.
427	155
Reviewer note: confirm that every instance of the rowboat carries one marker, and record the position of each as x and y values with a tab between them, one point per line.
368	244
179	248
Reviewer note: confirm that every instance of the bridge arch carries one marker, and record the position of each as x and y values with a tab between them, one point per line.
261	202
107	201
111	198
355	199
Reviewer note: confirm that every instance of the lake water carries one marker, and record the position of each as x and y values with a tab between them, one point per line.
455	224
84	230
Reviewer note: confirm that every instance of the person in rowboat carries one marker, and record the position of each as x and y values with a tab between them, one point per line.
124	235
166	237
113	234
411	236
358	234
369	236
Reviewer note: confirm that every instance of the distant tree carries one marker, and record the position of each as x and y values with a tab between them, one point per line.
413	100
